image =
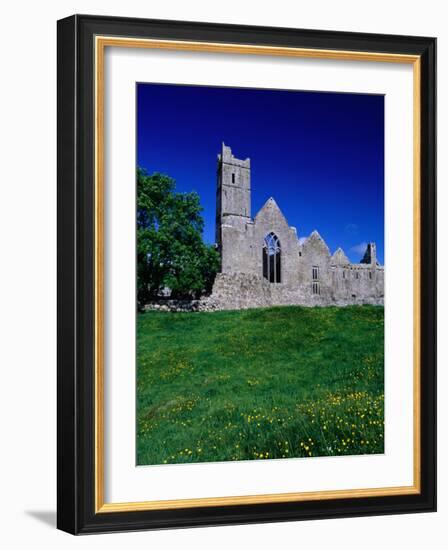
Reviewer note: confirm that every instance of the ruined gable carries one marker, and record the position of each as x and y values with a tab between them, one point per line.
315	249
339	258
270	213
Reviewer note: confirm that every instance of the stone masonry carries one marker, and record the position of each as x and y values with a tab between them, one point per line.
263	263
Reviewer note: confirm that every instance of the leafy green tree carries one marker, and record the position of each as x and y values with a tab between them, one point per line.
170	250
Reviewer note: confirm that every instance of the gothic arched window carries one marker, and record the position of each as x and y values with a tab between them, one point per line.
272	258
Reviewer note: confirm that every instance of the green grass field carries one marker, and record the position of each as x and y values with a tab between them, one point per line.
258	384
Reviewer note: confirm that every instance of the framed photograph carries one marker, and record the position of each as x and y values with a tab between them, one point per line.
246	274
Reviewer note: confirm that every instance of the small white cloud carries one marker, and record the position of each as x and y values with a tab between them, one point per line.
351	229
359	248
302	240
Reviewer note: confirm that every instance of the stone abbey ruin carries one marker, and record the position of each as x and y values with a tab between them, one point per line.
263	262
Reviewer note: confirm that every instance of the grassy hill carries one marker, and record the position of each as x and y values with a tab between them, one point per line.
263	383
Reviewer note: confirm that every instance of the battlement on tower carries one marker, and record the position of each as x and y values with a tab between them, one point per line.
227	157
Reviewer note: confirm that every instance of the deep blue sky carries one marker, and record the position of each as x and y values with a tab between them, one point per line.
320	155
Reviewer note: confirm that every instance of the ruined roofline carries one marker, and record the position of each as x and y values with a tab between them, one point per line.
226	157
339	251
359	266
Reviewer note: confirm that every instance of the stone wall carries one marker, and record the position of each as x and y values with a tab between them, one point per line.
234	291
183	306
243	291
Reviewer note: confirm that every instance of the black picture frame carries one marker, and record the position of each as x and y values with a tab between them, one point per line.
76	285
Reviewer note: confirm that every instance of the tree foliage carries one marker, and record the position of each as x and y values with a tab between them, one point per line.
170	250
